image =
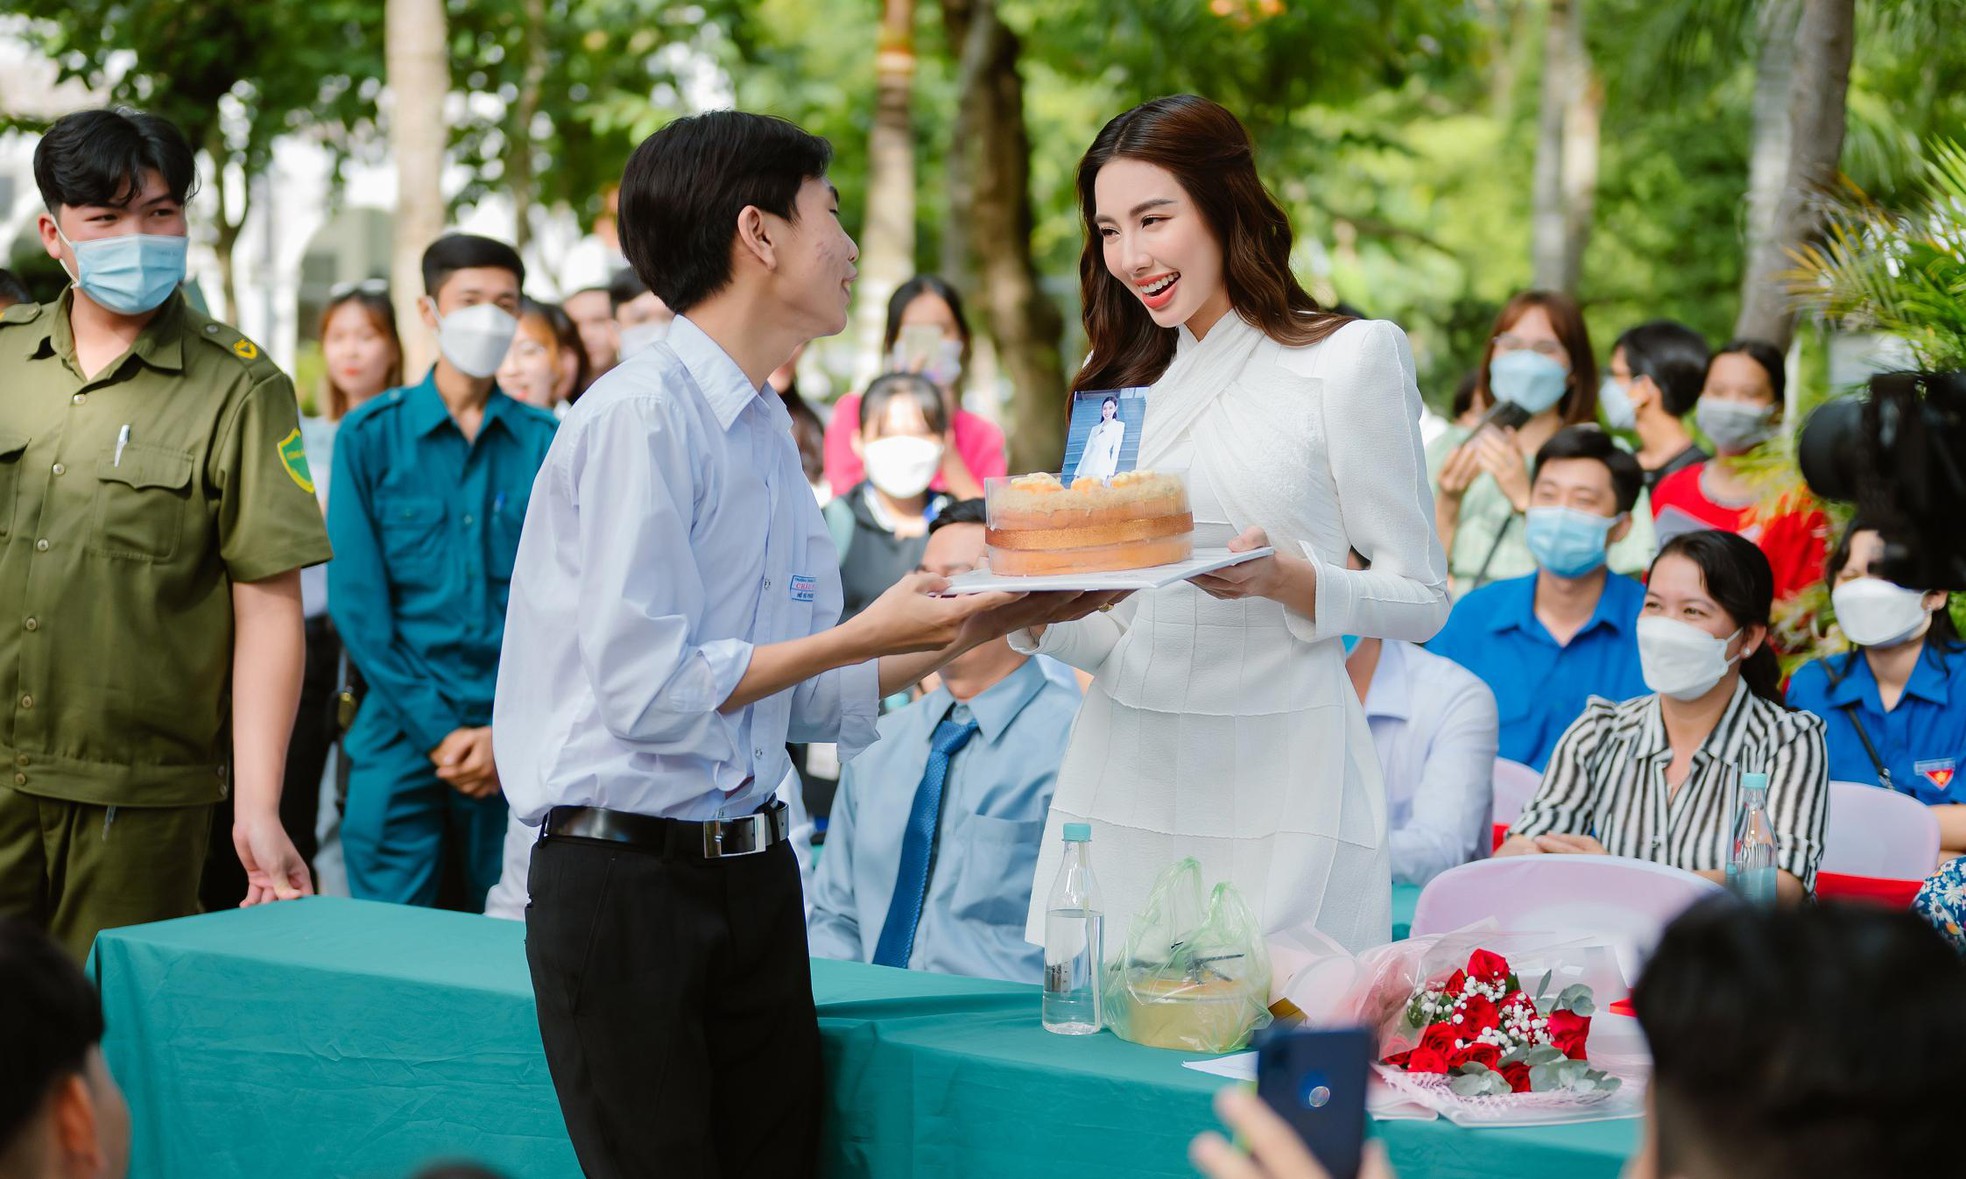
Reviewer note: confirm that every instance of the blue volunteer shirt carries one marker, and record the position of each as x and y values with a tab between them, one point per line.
1922	741
1539	685
426	526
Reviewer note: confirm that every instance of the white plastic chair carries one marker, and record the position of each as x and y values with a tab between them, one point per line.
1878	833
1628	903
1515	785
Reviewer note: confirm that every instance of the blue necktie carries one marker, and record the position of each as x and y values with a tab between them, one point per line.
904	911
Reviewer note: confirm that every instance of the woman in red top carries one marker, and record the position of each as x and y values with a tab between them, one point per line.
974	450
1739	409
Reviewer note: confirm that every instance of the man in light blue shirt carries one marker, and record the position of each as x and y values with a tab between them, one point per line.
1550	641
1433	725
955	901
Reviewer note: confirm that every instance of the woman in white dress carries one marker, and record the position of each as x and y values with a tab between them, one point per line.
1220	723
1101	459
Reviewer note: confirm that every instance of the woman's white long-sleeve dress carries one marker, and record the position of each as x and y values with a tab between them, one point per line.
1101	459
1229	731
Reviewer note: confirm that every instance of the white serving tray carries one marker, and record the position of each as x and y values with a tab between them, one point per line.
1204	561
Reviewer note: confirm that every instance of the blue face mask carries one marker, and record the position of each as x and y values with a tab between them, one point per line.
131	273
1567	542
1528	379
1351	644
1619	412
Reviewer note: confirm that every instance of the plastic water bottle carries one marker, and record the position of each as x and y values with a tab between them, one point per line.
1751	869
1074	942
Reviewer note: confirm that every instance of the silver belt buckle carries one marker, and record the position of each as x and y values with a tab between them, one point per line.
741	834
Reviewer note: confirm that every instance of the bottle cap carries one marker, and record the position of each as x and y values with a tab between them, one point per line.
1754	781
1078	833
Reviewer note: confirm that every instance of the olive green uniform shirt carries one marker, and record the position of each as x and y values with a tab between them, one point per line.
129	504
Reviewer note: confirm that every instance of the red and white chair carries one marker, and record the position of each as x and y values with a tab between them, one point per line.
1626	902
1515	785
1878	845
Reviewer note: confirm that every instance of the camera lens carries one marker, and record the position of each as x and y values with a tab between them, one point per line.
1829	448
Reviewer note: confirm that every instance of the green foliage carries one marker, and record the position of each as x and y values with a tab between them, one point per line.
1903	273
233	77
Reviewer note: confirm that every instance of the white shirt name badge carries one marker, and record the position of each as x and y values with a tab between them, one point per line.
804	588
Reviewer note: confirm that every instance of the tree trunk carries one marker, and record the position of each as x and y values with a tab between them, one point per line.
1565	180
1819	81
418	64
519	148
1023	321
887	237
1768	148
1583	114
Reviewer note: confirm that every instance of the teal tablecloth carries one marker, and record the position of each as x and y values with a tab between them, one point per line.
1405	896
339	1038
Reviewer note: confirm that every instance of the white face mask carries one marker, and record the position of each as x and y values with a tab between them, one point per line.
1679	659
640	337
475	338
903	466
1875	613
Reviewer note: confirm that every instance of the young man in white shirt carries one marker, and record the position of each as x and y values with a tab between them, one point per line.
671	626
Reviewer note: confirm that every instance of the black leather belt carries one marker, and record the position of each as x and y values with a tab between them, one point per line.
674	838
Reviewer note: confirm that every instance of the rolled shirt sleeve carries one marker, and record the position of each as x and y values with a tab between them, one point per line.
842	705
1372	414
653	681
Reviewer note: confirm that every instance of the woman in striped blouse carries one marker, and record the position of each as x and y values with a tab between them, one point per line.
1653	778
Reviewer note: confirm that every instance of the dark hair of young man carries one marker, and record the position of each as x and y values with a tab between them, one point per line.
1589	442
466	251
13	290
686	184
99	157
625	287
49	1019
962	511
1673	355
1803	1043
1768	357
912	386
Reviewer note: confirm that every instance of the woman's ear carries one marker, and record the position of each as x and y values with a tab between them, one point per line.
1936	600
1753	636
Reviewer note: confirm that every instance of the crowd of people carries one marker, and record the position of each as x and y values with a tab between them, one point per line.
583	573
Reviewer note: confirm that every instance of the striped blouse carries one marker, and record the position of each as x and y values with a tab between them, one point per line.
1608	778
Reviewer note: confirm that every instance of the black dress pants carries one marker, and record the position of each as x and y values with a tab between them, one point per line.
675	1003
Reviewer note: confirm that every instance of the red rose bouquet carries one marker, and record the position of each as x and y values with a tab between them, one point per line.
1490	1038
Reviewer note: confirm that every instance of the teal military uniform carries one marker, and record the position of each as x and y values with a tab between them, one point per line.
426	525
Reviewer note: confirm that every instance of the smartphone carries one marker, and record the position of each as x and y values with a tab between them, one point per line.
917	348
1315	1080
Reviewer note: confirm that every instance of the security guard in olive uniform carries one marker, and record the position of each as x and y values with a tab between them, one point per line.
155	509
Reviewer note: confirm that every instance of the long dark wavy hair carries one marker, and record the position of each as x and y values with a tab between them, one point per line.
1741	582
1208	151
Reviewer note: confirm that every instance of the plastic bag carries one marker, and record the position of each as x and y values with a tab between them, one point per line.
1193	977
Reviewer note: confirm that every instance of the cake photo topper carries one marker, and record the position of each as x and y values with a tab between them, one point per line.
1104	438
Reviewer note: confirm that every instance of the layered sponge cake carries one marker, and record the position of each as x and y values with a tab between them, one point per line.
1038	526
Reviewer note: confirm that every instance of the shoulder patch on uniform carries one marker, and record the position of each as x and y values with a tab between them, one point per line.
245	349
293	456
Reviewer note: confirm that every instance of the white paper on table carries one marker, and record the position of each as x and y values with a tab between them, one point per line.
1380	1100
1204	561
